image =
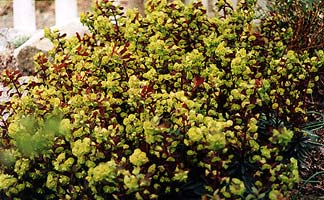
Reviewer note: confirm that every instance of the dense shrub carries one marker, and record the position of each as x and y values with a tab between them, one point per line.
170	105
304	17
304	20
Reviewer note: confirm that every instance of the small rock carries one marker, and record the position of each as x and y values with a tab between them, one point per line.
24	55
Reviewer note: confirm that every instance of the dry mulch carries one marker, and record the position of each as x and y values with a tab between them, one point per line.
314	189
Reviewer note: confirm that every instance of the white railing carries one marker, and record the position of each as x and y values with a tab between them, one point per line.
24	15
65	11
25	18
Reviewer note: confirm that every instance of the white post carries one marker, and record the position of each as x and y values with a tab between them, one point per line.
205	3
123	3
24	15
65	11
209	5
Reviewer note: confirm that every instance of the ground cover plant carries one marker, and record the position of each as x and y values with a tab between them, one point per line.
172	104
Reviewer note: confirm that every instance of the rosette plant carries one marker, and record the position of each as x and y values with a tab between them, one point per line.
172	104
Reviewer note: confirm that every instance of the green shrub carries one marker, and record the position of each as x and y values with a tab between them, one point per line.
173	104
304	17
304	20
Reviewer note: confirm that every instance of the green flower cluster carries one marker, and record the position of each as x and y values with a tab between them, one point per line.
152	107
